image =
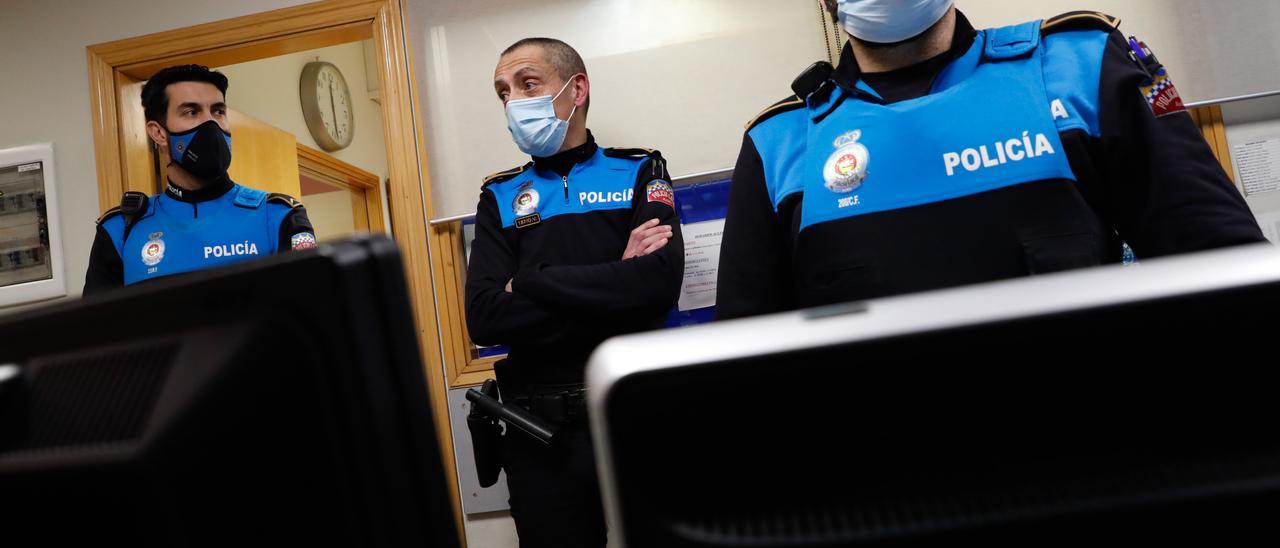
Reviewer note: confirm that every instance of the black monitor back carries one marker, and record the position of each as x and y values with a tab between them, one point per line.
275	402
1123	405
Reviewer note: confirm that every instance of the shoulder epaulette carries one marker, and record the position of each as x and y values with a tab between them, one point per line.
504	175
616	152
1077	20
790	103
285	199
109	214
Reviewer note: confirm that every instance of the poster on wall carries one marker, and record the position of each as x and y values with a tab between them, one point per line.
30	248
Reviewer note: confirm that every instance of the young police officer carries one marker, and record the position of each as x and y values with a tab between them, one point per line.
936	155
580	244
202	219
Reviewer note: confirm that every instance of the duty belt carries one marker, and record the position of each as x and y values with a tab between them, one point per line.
558	403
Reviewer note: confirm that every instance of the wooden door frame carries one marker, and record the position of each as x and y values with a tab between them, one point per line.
316	164
115	66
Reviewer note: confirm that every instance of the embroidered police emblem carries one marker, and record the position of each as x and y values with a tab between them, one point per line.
847	166
302	240
1161	96
153	250
660	191
526	201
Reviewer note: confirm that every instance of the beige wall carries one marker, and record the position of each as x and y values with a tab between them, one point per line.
44	94
267	89
331	214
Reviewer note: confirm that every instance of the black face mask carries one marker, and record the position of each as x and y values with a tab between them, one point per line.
204	150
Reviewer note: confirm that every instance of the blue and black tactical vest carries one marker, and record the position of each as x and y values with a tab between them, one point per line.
173	237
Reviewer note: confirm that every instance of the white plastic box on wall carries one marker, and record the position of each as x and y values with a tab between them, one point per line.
31	265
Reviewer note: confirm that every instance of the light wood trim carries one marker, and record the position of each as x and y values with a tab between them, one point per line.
1222	150
281	31
475	378
243	39
319	165
326	165
1209	121
106	131
137	152
449	260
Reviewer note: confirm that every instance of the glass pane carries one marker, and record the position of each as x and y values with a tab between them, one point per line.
468	236
24	225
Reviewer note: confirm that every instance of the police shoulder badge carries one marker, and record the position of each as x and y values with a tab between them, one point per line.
1158	90
302	240
660	191
153	250
847	166
526	200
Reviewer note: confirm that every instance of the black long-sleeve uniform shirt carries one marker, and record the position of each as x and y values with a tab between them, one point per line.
560	242
1147	177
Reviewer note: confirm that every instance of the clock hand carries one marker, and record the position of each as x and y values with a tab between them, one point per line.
333	110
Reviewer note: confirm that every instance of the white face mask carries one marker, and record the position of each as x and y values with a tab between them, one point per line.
534	125
889	21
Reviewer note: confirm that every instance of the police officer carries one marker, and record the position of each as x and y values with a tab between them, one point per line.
203	219
580	244
936	155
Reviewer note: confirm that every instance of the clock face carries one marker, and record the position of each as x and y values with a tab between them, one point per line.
326	105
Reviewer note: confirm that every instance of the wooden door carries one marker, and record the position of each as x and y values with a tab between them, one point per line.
263	156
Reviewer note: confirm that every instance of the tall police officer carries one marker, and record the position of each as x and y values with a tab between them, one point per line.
580	244
202	219
935	155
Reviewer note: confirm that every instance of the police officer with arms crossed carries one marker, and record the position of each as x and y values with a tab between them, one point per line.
203	219
937	155
578	245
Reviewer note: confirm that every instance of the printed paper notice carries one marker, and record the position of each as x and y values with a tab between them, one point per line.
1259	165
701	264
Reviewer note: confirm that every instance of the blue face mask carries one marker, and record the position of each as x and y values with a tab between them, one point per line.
534	126
889	21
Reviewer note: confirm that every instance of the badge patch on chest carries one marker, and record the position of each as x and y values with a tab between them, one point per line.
847	166
153	250
526	200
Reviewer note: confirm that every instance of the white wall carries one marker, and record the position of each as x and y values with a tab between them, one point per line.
1214	48
267	89
44	94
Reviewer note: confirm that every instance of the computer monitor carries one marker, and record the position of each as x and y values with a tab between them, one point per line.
278	402
1130	404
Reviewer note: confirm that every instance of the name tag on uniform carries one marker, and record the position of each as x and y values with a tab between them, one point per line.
528	220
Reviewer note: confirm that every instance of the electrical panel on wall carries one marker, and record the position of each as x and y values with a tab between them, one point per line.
30	251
